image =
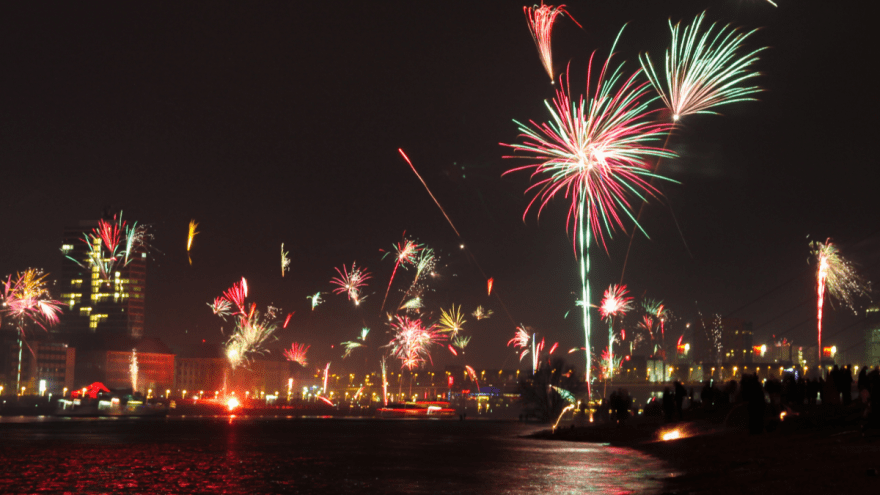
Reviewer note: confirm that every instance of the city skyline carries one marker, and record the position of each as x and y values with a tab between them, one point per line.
281	125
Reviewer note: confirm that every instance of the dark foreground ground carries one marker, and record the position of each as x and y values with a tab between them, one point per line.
829	451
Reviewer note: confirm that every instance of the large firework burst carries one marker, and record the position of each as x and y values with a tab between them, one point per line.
594	153
703	71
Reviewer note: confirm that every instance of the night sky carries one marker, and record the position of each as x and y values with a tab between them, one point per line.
280	122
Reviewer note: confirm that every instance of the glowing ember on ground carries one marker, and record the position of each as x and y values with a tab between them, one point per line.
670	435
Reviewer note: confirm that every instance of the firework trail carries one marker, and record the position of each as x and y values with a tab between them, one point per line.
315	299
452	350
429	191
326	376
384	382
540	21
836	275
703	72
565	394
552	349
595	152
473	375
350	283
481	314
451	322
615	302
285	261
133	370
412	342
489	284
193	225
297	353
407	252
287	320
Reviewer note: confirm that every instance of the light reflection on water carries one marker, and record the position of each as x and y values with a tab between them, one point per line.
281	455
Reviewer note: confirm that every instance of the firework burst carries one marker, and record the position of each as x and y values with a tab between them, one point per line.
540	20
297	353
481	314
351	282
451	322
614	303
594	152
703	71
838	277
412	342
407	253
26	299
113	245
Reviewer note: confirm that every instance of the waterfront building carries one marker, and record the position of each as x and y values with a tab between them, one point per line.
108	359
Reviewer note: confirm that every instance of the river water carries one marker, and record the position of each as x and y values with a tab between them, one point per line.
308	455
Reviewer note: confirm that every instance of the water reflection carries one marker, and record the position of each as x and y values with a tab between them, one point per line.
279	455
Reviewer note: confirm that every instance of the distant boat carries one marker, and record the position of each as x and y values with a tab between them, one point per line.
432	409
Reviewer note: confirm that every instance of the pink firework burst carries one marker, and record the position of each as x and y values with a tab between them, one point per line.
350	283
412	342
237	294
26	299
297	353
540	20
615	302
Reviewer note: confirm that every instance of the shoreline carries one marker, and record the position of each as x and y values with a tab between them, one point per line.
820	452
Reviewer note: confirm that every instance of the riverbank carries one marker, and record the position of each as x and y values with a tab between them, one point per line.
819	451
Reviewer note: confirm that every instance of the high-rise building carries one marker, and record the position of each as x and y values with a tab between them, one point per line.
99	303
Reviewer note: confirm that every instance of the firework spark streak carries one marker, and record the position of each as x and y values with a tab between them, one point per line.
315	299
489	284
595	153
287	320
133	370
350	283
540	21
703	72
326	376
285	261
384	382
406	255
451	322
193	225
429	191
412	342
836	275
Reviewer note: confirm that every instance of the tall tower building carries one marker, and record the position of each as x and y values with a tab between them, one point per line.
97	304
872	336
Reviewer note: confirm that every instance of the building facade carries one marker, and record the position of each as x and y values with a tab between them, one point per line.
111	304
